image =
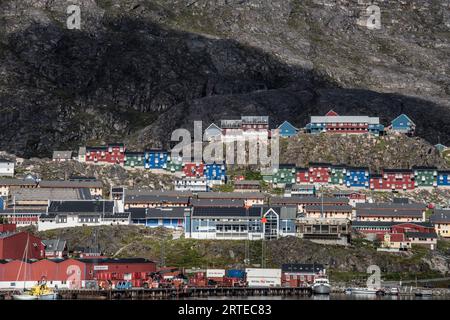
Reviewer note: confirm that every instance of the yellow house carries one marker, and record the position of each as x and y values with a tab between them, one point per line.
441	221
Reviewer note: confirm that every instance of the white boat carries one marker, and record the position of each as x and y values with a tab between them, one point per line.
24	296
321	285
368	291
394	291
424	293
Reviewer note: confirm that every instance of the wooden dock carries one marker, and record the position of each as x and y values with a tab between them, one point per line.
173	293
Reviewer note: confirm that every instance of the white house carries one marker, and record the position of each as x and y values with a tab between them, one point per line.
6	168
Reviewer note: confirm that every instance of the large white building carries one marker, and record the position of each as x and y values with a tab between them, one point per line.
6	168
73	213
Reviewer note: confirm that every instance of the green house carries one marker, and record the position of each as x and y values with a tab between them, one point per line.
285	174
134	159
337	175
425	176
173	165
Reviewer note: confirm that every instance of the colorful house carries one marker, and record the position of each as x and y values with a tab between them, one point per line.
443	178
285	174
334	123
134	159
302	175
357	177
393	179
215	173
193	169
403	124
425	176
338	174
319	172
286	129
155	159
110	154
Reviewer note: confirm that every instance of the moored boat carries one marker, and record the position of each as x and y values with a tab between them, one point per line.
367	291
321	285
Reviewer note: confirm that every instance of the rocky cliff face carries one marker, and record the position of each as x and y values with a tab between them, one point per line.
137	69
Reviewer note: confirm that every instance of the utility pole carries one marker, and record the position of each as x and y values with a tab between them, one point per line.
247	241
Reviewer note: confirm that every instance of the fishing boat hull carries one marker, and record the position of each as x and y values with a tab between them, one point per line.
49	296
24	297
321	289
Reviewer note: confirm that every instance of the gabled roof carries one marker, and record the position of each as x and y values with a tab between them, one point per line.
331	113
288	124
403	116
213	126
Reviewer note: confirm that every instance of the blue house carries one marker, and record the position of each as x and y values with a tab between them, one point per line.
286	129
357	177
155	159
215	173
443	178
403	124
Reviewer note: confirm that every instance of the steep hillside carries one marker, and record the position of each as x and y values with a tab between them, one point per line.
384	152
138	69
110	175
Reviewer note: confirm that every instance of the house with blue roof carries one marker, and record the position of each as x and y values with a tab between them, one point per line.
403	124
357	177
155	159
286	129
215	173
443	178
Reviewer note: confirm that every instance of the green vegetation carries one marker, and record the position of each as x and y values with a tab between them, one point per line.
229	187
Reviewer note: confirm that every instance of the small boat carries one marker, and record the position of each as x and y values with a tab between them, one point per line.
37	292
424	293
24	296
364	291
321	285
393	291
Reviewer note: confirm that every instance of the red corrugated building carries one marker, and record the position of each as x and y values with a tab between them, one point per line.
393	179
319	172
194	169
13	244
74	273
112	154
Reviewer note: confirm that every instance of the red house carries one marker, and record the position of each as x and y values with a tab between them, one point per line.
194	170
319	172
302	175
393	179
110	154
13	244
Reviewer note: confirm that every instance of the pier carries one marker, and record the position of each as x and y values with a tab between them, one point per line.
176	293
